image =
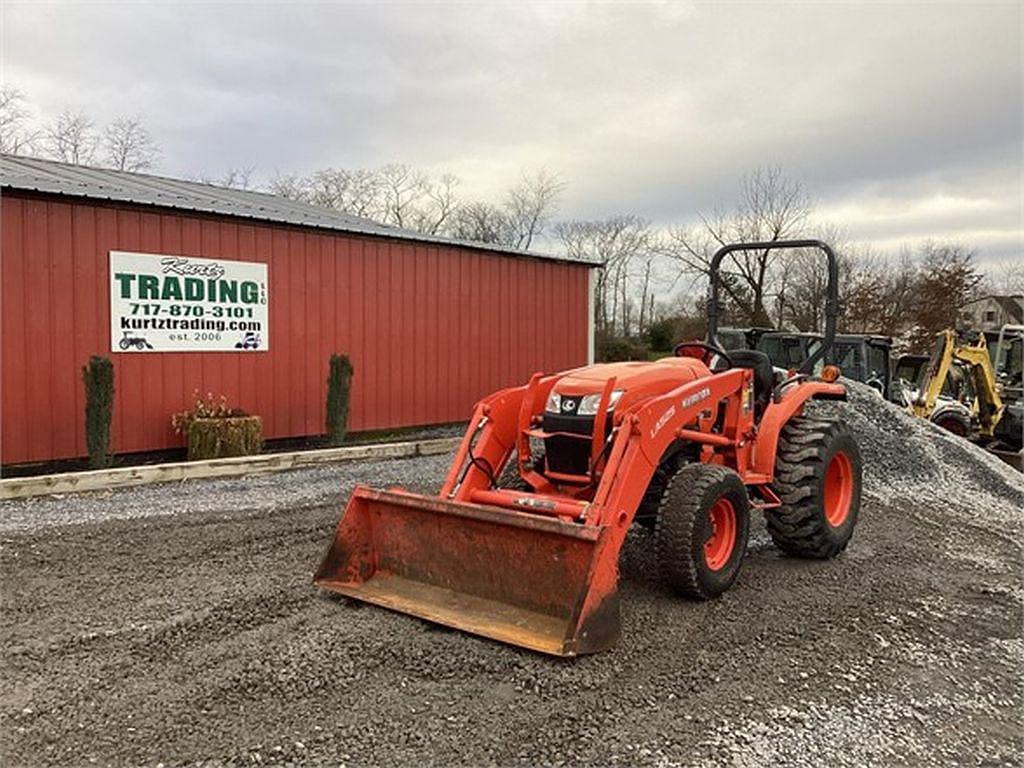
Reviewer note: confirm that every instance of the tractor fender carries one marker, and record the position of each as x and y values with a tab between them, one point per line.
790	403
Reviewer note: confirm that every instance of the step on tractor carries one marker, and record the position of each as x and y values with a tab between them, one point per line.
522	543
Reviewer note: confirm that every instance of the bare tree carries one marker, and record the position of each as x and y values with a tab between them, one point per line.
879	293
129	145
403	196
401	188
440	205
238	178
771	207
17	136
948	280
71	138
351	191
800	281
646	295
291	186
530	205
480	222
523	215
1005	277
612	244
394	194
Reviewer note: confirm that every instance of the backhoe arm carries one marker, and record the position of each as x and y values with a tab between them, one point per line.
933	375
988	406
983	378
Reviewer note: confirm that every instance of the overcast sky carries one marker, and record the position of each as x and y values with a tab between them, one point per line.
903	120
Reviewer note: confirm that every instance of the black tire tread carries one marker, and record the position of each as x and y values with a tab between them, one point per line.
675	525
797	527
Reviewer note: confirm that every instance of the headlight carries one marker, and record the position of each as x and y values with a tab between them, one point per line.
589	404
554	403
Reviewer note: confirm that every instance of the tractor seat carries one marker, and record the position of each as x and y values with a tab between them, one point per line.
764	375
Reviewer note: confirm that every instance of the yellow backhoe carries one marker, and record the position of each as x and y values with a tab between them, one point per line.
990	422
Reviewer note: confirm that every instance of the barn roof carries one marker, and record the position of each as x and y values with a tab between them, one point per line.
50	177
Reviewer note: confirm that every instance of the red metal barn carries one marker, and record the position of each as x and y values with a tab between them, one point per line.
430	324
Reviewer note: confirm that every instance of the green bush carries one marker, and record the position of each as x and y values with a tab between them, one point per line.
98	377
339	385
614	350
663	334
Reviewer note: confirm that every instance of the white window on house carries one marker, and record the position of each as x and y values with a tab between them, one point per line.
990	316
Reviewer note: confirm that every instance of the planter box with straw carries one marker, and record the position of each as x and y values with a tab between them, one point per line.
214	431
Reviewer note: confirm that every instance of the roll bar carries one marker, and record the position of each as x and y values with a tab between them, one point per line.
831	302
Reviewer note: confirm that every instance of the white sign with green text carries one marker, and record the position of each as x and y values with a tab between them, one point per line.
164	303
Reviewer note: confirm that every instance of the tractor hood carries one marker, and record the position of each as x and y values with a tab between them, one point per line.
636	380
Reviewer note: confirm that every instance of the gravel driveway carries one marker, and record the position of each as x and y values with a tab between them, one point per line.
176	624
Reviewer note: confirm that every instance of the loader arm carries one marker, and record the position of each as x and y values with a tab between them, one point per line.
488	442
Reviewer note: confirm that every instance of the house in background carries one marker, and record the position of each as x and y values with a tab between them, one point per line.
990	313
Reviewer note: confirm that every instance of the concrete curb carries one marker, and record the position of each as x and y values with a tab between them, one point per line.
123	477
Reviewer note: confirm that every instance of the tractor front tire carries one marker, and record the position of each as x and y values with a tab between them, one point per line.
818	479
700	535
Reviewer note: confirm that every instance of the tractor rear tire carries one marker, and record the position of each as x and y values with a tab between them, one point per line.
701	532
818	479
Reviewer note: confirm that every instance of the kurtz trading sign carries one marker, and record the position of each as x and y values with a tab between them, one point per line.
184	304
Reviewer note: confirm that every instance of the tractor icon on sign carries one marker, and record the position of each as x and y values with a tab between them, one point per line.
139	342
249	341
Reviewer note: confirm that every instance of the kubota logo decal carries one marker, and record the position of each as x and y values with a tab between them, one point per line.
665	417
696	397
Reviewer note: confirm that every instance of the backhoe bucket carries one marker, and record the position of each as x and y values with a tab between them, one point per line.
512	576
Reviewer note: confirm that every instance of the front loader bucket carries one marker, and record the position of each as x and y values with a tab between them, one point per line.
517	577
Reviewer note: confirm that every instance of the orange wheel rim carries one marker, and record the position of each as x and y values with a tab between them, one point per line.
718	548
838	489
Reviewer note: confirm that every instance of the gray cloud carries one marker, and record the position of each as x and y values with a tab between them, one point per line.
903	119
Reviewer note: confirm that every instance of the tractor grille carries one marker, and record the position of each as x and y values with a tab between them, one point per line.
567	455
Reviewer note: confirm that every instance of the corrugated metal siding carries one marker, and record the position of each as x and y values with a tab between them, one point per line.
429	328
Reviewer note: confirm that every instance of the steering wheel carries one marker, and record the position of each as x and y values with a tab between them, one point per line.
682	350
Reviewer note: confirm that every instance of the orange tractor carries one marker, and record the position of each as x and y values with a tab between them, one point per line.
522	542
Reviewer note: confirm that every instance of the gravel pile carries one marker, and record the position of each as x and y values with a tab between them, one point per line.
910	458
177	625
